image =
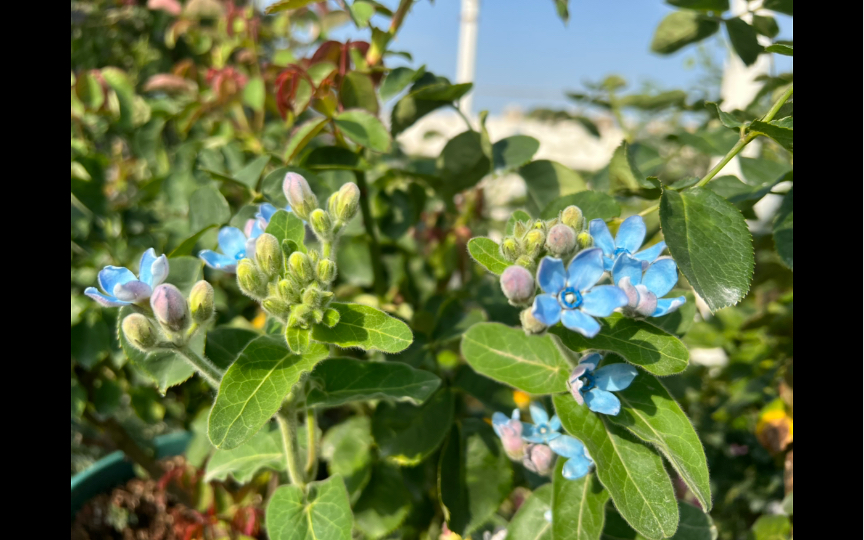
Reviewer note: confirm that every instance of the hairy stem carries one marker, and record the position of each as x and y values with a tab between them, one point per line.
288	426
311	444
374	246
207	369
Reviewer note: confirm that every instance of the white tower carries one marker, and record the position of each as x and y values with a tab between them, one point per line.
467	50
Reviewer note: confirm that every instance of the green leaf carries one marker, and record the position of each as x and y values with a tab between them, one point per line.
285	5
780	48
184	272
384	503
625	173
285	225
207	207
347	449
638	342
263	451
518	215
631	472
725	118
335	158
249	175
488	254
89	91
594	205
577	506
775	527
533	364
779	130
760	171
783	230
186	246
780	6
681	28
704	5
406	434
678	322
514	152
254	94
225	343
297	339
358	92
106	396
301	135
343	380
743	39
766	26
694	524
651	414
462	162
562	9
362	12
711	243
254	386
364	129
366	328
397	80
529	522
548	180
322	512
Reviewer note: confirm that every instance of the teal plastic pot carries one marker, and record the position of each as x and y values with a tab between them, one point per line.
114	470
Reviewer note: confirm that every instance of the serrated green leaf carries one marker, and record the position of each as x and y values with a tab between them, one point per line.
364	129
253	388
358	92
488	254
529	523
783	230
725	118
285	225
548	180
398	79
624	172
518	215
711	243
577	506
343	380
761	171
779	130
347	449
225	343
364	327
651	414
263	451
384	503
513	152
744	41
594	205
322	512
631	472
301	135
406	434
207	207
681	28
638	342
533	364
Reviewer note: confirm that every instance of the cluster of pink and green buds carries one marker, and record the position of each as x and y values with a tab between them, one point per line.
291	282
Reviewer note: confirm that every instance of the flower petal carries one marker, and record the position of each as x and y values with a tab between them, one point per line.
567	446
580	322
232	241
630	291
576	468
575	384
614	377
668	305
661	276
111	276
531	435
266	211
250	248
602	401
602	300
132	291
498	420
555	423
627	266
651	253
647	301
631	233
257	229
590	361
105	300
551	276
602	237
218	260
585	269
538	413
546	309
145	265
159	271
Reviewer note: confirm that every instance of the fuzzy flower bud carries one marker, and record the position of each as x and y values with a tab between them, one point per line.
299	195
529	323
312	296
250	279
540	225
287	291
584	240
511	439
343	204
268	254
201	302
510	248
140	332
300	267
170	308
299	316
517	284
539	459
321	224
561	240
533	242
325	271
572	217
520	228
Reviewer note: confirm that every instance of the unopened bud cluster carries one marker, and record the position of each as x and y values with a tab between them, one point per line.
175	319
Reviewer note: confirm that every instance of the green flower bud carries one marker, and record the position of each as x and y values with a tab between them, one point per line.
572	216
299	316
170	308
343	204
140	332
287	291
510	248
540	225
527	262
321	224
520	228
312	296
268	254
201	302
529	323
325	271
276	307
584	240
561	240
250	279
314	257
533	242
300	267
317	316
299	195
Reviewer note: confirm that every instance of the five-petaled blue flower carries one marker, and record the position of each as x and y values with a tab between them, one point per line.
571	296
578	462
236	244
645	292
544	428
122	288
593	387
630	236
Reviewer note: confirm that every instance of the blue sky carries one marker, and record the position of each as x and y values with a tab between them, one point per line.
527	56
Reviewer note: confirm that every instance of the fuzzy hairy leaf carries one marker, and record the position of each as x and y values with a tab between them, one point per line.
366	328
407	434
487	253
342	380
577	506
323	511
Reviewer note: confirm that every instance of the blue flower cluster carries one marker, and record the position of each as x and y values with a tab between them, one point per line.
573	297
536	444
236	244
120	286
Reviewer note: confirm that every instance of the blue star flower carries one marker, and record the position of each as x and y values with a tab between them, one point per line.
571	296
544	428
578	462
645	291
236	244
593	387
122	288
630	236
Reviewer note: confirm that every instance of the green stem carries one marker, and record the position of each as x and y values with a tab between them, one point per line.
207	369
288	426
465	118
326	248
311	444
374	246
